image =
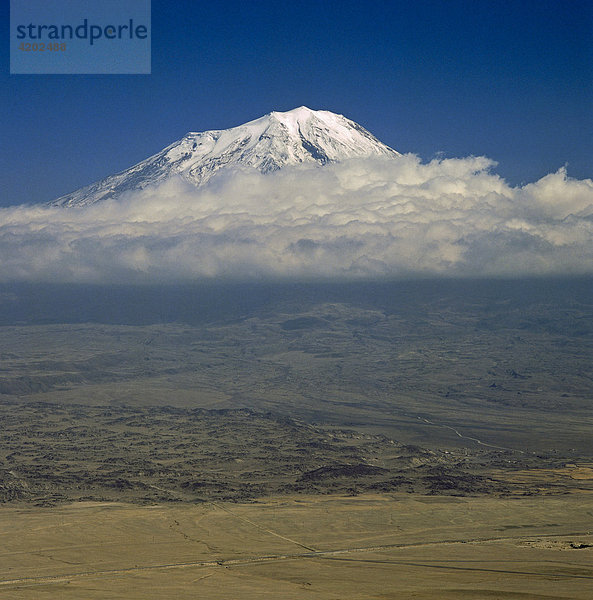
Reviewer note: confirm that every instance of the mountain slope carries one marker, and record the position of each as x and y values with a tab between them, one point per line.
267	144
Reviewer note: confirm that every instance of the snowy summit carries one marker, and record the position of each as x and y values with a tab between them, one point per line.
267	144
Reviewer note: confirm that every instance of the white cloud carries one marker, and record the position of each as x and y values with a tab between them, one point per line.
363	218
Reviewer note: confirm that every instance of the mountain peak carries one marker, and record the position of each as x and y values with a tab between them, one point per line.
302	112
296	115
267	144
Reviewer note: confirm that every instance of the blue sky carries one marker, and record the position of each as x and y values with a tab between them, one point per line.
511	80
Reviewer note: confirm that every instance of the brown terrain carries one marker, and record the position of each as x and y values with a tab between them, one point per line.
332	450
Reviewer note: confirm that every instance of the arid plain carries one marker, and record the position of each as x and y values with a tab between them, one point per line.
408	442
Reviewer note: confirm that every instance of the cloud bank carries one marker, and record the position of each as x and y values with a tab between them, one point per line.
354	220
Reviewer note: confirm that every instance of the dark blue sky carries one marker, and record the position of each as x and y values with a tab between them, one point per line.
509	79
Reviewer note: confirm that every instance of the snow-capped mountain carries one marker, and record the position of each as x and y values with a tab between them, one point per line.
267	144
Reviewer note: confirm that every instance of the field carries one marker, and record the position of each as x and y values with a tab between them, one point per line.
409	441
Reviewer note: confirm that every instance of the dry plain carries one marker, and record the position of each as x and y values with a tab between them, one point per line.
431	445
369	546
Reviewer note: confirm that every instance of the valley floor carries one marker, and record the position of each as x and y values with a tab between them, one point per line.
426	440
318	547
